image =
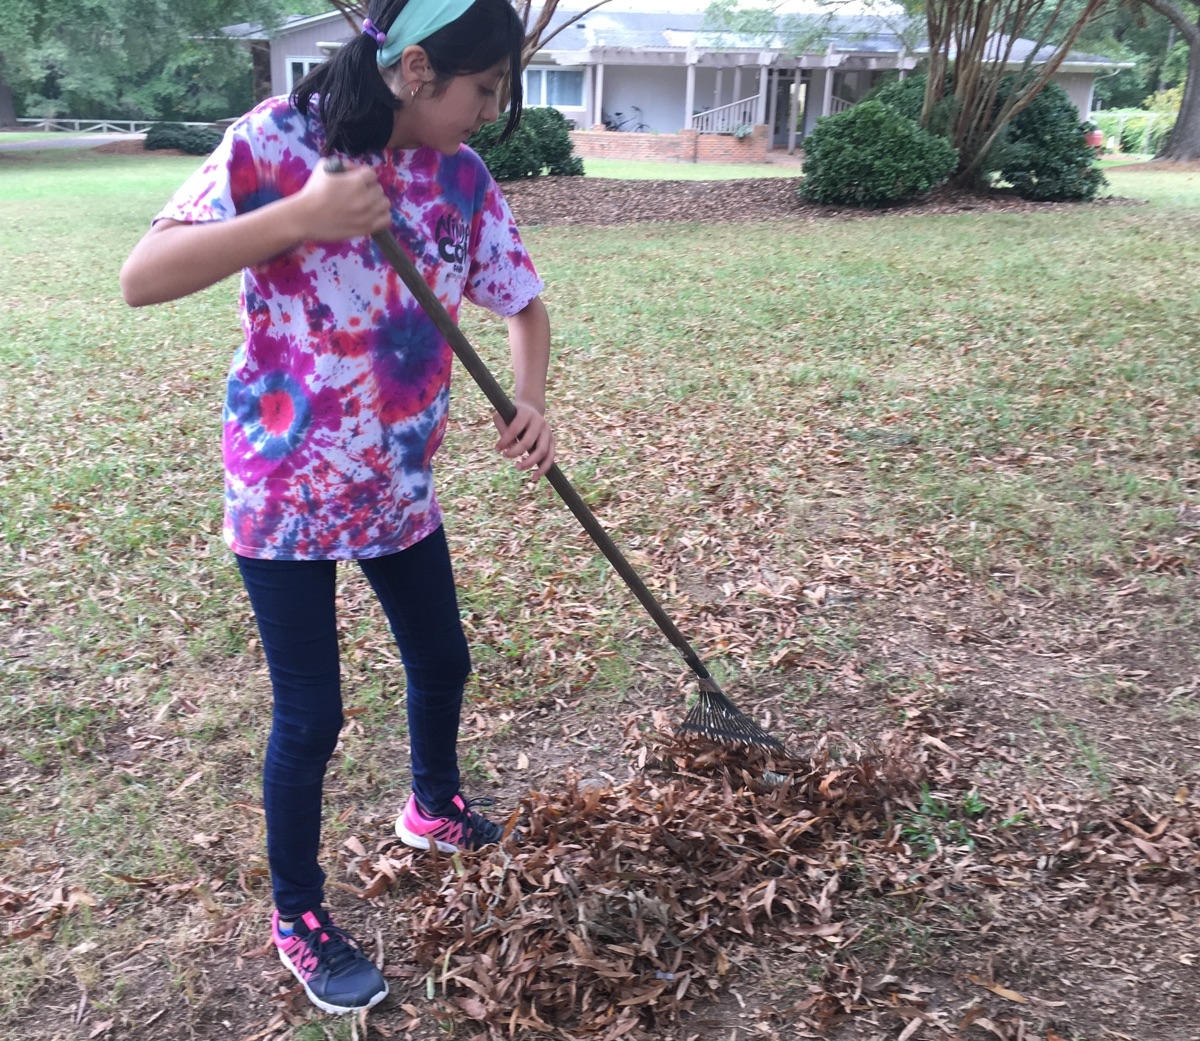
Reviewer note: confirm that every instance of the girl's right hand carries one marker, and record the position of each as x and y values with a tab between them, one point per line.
334	207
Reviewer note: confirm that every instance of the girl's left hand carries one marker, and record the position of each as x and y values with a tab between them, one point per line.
527	440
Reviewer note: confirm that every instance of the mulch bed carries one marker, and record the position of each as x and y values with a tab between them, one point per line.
599	201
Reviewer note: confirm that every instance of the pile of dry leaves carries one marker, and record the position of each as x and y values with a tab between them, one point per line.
624	905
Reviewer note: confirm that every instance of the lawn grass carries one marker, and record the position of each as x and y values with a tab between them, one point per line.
15	136
1168	190
899	408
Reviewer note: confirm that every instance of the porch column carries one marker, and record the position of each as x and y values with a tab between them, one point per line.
764	80
773	113
827	94
816	90
795	112
689	104
737	84
717	91
598	96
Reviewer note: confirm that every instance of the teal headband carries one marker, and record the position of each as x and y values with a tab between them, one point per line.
418	20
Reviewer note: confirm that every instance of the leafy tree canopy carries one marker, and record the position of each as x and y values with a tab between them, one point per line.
131	58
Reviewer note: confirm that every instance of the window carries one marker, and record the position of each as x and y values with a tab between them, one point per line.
298	68
562	88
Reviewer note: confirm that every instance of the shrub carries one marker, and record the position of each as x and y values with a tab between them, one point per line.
192	140
1044	155
907	97
541	145
904	96
870	156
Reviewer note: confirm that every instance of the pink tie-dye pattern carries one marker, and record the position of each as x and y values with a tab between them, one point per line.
338	398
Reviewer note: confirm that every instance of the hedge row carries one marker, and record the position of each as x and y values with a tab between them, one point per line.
1135	129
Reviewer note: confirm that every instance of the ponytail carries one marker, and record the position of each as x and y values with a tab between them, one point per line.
357	108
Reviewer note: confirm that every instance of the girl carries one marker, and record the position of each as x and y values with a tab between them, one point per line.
337	402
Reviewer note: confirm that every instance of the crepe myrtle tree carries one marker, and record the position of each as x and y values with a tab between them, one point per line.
539	30
972	44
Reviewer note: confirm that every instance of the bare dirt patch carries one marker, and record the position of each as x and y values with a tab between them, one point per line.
1163	166
134	147
601	201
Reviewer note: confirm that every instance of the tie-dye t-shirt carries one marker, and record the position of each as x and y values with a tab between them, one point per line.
338	398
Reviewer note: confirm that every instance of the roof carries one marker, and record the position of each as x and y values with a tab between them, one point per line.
254	31
611	32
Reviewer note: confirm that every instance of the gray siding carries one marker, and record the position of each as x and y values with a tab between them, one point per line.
301	44
1079	86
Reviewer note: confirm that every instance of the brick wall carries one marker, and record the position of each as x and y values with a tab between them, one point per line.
686	146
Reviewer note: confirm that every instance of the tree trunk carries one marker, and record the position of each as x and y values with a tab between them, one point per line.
8	114
1184	143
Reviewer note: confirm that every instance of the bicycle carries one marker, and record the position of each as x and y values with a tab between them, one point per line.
633	124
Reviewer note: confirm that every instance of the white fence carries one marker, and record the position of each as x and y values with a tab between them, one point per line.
728	119
94	126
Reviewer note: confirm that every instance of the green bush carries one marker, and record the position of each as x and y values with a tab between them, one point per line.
192	140
1044	154
907	97
904	96
870	156
541	145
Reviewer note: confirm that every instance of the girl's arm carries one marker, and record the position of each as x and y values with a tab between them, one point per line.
174	259
528	439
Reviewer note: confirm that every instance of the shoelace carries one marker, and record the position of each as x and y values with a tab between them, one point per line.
476	826
332	948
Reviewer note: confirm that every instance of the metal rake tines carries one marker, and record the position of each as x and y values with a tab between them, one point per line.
715	716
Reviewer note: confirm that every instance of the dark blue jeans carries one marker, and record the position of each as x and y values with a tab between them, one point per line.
293	601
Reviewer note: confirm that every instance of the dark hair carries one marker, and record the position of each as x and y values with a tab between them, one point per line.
355	105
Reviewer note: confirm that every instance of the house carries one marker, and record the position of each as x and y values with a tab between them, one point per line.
682	91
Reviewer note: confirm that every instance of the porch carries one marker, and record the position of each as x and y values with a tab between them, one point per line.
734	106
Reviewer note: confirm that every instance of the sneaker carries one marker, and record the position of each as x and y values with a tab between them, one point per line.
464	829
337	976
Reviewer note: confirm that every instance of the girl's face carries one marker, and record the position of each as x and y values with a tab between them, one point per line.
445	119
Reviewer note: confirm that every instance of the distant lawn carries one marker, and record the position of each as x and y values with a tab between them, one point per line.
63	173
1166	188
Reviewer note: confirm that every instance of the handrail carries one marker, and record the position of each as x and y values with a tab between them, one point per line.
727	119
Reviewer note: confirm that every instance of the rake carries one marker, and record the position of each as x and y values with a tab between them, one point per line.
713	715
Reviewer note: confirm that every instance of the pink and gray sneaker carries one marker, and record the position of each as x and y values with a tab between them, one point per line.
337	976
463	829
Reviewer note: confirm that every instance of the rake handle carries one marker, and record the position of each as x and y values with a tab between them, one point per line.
500	401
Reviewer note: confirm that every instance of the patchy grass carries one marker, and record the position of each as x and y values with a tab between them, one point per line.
929	474
1168	189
